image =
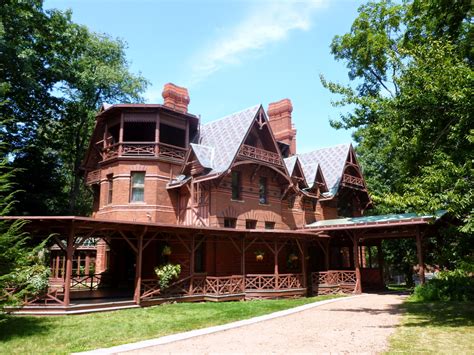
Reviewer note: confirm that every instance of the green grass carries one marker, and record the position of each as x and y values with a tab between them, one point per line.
434	328
64	334
399	288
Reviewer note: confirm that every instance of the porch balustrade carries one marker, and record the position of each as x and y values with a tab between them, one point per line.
249	152
221	286
143	149
334	281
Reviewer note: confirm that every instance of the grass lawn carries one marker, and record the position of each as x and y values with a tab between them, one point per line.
434	328
64	334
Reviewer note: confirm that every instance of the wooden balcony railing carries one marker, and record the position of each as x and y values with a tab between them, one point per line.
143	149
352	180
90	282
249	152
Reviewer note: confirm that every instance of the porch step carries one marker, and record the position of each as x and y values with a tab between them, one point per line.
72	309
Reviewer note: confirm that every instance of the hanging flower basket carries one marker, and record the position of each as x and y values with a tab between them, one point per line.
259	255
292	257
166	250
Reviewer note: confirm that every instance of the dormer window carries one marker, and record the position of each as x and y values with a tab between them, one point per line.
137	190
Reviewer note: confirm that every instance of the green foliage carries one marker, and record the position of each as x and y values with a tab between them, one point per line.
454	285
412	114
54	76
166	273
23	271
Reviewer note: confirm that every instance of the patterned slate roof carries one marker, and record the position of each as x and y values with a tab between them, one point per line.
204	154
225	136
331	160
290	163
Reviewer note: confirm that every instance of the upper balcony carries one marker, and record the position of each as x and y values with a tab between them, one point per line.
253	153
145	150
145	135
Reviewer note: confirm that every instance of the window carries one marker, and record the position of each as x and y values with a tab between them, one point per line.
269	225
236	185
230	222
137	193
250	224
110	188
262	190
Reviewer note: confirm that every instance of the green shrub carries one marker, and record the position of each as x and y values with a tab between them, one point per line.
166	273
455	285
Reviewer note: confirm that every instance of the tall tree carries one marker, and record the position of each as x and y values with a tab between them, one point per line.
55	75
412	110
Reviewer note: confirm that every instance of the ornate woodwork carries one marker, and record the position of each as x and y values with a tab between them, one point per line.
249	152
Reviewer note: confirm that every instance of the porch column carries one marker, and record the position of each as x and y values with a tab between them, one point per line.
380	261
419	251
121	135
138	270
69	255
358	287
275	261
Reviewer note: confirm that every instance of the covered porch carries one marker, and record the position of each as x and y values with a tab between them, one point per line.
217	264
355	244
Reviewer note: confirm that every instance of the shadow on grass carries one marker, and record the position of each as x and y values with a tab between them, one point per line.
21	327
447	314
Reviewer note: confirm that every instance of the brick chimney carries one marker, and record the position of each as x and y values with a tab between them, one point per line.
279	115
176	97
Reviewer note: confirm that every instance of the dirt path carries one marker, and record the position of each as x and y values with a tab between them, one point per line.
358	325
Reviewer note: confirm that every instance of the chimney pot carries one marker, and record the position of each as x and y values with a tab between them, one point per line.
279	116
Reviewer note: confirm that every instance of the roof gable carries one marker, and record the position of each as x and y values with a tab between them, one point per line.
226	136
331	160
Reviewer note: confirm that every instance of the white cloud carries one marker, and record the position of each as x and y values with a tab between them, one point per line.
266	23
153	96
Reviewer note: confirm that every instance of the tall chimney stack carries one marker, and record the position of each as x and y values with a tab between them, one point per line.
279	116
176	97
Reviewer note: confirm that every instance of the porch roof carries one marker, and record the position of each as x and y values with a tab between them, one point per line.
62	224
375	221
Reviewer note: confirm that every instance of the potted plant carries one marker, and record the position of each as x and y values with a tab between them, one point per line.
259	255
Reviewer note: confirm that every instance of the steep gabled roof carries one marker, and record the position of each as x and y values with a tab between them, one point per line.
331	160
204	154
225	136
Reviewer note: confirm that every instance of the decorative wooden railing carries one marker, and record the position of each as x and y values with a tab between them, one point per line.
53	295
333	281
262	282
93	177
221	286
353	180
143	149
247	151
83	282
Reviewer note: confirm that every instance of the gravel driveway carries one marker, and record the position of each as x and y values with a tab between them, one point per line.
357	325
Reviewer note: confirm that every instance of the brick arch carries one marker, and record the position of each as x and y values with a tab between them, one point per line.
229	212
138	167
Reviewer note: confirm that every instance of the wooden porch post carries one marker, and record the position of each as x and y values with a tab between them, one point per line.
303	262
121	135
326	255
275	261
138	269
355	240
243	262
69	255
419	251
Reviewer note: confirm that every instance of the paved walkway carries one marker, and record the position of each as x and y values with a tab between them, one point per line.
356	325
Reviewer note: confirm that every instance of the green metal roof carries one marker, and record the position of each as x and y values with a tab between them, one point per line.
380	219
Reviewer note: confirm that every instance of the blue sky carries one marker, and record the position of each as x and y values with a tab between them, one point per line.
233	54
